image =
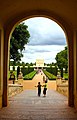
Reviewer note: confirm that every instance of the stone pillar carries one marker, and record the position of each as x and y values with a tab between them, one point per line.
70	70
1	67
75	69
20	78
5	70
58	79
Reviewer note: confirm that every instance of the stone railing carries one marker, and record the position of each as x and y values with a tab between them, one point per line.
63	89
14	89
62	86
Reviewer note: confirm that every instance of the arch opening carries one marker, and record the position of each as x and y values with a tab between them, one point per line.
63	24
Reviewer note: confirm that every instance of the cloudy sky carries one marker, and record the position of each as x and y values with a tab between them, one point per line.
46	40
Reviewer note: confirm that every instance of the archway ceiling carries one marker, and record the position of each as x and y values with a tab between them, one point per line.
66	9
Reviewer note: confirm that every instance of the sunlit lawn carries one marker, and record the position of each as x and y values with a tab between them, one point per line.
65	75
15	73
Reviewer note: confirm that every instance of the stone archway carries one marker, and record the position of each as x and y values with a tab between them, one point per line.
69	35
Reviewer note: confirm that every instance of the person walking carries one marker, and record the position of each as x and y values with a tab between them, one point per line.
43	79
45	88
39	88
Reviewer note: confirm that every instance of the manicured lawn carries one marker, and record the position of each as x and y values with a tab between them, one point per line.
30	75
65	75
49	75
15	73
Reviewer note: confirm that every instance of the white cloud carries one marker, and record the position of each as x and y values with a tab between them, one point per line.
47	52
43	31
46	40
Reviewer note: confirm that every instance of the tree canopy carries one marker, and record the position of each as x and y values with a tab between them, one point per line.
19	38
62	59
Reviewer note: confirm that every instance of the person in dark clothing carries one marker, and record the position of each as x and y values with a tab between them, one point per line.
39	88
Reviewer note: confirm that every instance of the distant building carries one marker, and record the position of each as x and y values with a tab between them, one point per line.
39	62
39	65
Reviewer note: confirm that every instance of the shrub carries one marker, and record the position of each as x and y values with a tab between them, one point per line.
13	68
18	70
24	71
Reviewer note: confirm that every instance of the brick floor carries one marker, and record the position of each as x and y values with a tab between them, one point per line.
28	106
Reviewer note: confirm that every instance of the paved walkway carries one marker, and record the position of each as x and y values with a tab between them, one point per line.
28	106
29	84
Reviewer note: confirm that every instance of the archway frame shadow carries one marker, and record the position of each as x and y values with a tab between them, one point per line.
9	27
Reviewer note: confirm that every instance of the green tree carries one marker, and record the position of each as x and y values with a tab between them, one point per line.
31	64
23	63
19	38
62	60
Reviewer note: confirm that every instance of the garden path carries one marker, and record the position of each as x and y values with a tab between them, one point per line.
30	84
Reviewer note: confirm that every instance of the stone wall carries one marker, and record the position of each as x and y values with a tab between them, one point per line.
14	89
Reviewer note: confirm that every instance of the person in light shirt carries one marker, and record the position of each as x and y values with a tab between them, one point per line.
45	88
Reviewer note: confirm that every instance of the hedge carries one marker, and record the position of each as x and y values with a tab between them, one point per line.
26	71
52	70
30	75
49	75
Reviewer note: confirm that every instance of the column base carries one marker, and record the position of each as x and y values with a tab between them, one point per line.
0	101
75	102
